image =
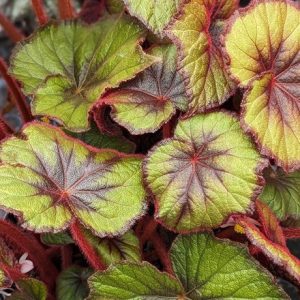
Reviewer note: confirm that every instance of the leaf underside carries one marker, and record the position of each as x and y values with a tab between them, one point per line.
205	173
266	59
60	180
205	268
197	37
68	66
150	100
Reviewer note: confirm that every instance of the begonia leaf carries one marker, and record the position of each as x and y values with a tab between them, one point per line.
278	254
205	268
60	238
72	284
68	66
61	180
262	43
101	140
270	224
154	14
116	249
114	6
196	33
282	193
208	171
150	100
29	289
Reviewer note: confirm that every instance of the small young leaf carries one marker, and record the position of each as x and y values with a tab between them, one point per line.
270	225
208	171
72	284
60	238
155	14
29	289
150	100
197	37
278	254
206	268
282	193
100	140
61	180
262	45
134	281
113	250
68	66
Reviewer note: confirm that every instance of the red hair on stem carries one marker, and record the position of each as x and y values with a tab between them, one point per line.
11	30
39	10
84	245
65	9
16	95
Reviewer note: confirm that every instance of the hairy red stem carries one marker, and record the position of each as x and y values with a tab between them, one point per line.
85	247
167	130
291	233
162	252
13	273
11	30
5	129
39	10
66	256
17	96
65	9
36	252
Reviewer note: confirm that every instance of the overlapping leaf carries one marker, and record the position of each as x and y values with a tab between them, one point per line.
155	14
205	173
263	47
60	179
68	66
196	33
29	289
60	238
72	284
205	268
282	193
150	100
279	254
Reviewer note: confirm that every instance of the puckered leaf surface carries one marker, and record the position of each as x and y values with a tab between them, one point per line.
279	254
60	179
72	284
282	193
263	46
206	268
116	249
68	66
150	100
30	289
155	14
208	171
196	33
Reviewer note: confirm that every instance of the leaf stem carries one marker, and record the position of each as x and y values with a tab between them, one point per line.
291	233
5	129
65	9
16	94
29	244
13	273
11	30
39	10
85	247
66	256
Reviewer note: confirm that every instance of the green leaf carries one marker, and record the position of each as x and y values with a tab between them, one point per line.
29	289
116	249
206	268
210	268
154	14
100	140
282	193
61	238
68	66
263	50
196	32
72	284
150	100
60	180
134	281
209	170
114	6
